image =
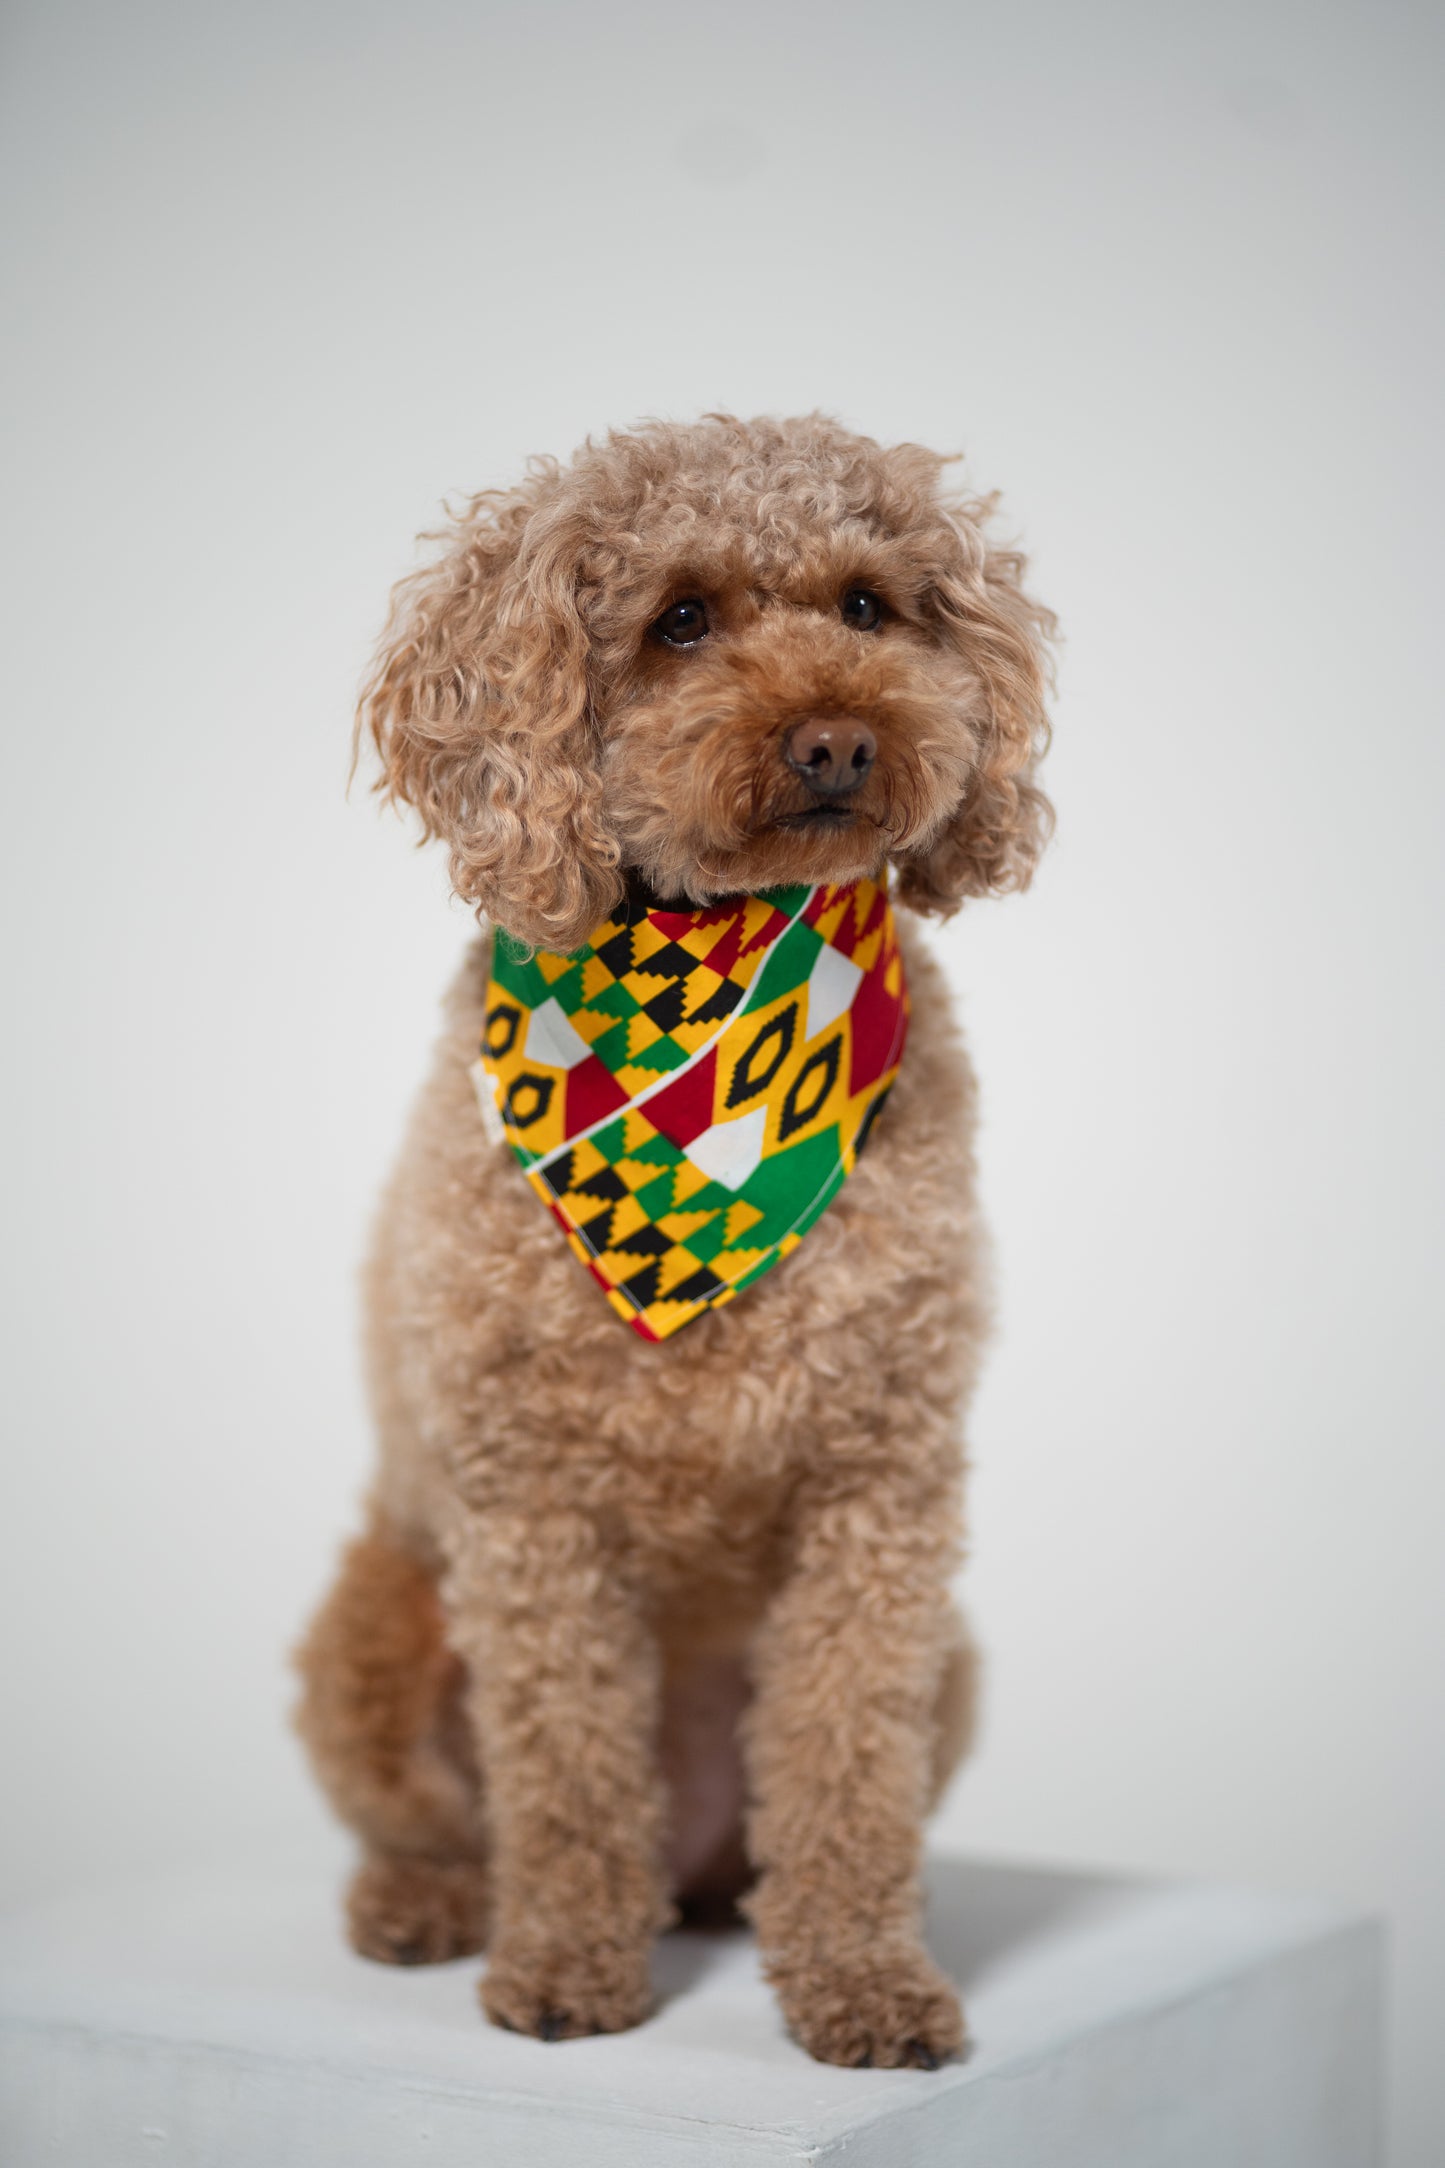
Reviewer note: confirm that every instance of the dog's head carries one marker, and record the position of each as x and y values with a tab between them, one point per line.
716	659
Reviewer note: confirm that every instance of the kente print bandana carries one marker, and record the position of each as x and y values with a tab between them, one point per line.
689	1090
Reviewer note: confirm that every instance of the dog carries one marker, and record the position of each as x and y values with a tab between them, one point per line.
656	1622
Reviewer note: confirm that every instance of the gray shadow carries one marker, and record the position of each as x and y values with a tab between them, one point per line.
686	1955
979	1912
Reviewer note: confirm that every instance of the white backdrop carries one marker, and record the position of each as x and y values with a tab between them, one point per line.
284	277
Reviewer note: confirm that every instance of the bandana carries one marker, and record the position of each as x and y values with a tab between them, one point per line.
689	1090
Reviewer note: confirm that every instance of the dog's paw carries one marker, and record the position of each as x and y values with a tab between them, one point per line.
563	1990
417	1911
888	2013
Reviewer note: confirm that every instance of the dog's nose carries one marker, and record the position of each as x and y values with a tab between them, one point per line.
832	754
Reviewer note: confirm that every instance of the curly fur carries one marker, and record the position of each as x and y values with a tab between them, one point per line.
517	705
637	1626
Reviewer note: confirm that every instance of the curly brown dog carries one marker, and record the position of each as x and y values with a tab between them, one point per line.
637	1626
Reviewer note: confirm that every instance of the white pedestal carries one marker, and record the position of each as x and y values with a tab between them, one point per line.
217	2021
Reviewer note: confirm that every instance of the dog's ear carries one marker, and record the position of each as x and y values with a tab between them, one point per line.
479	707
979	606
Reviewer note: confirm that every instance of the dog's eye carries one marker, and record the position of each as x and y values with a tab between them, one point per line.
861	609
682	624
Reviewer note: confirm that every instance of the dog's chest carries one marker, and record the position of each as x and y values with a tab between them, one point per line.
534	1392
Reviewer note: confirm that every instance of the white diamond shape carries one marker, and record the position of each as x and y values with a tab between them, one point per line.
832	983
729	1151
551	1039
486	1090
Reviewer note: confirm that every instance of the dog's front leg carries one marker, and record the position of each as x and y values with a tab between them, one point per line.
564	1698
839	1743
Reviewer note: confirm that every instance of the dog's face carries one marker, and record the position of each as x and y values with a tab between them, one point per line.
711	660
777	702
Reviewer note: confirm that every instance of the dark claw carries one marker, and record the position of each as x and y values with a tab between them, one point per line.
865	2060
921	2055
551	2025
